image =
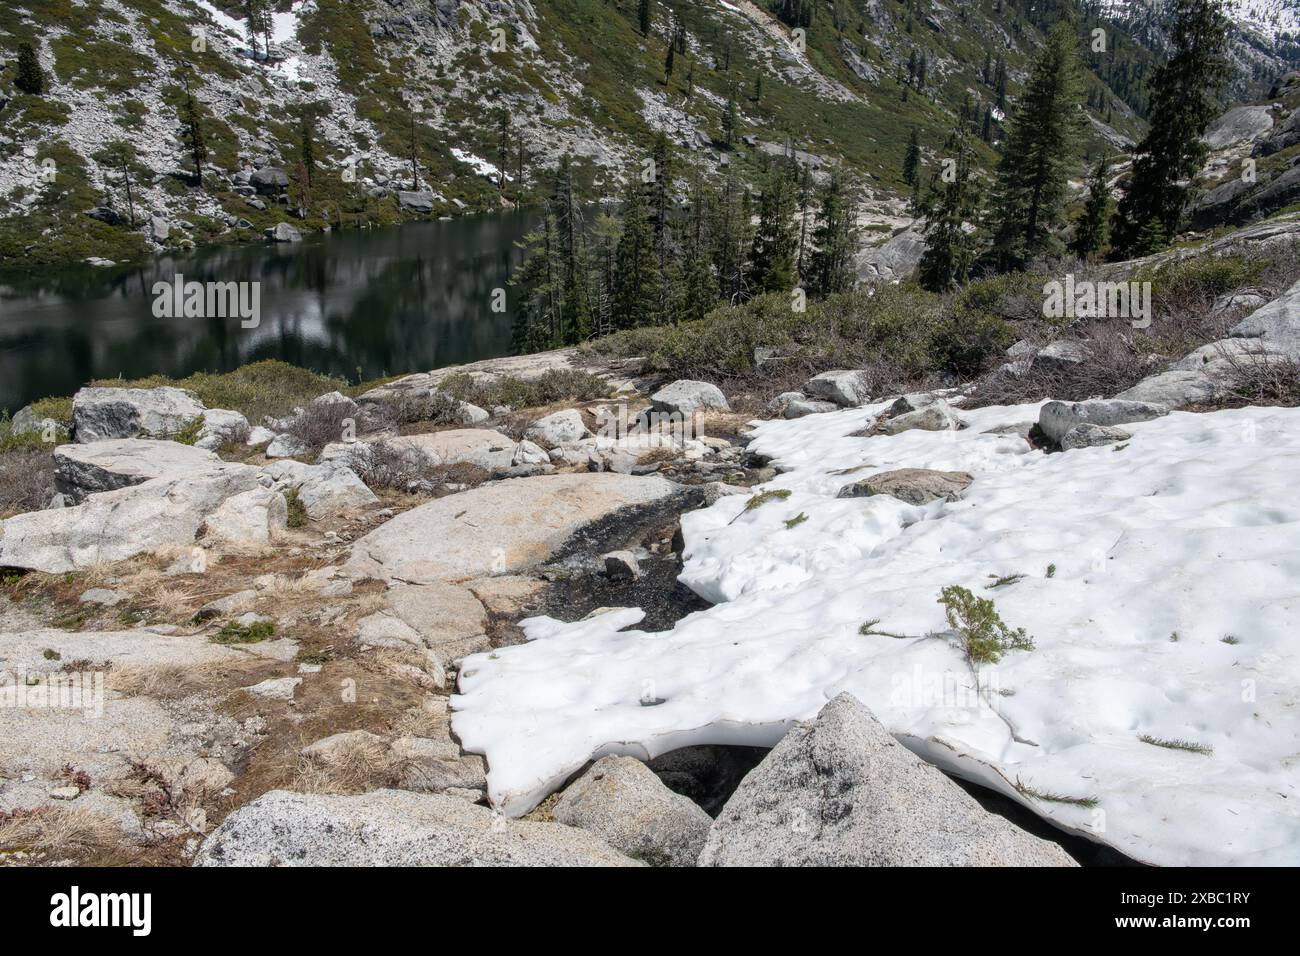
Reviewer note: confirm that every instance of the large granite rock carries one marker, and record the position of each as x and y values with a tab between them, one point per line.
560	428
496	528
916	486
894	259
1057	418
116	525
100	413
685	397
324	490
843	388
81	470
1241	124
841	791
938	416
392	828
623	802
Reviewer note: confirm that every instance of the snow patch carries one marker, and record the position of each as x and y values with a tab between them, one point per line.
1161	582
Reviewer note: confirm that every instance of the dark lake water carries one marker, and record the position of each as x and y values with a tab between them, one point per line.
369	303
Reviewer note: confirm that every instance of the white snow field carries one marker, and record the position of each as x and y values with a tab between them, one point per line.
1161	585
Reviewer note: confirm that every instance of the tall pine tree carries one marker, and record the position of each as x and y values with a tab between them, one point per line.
951	202
30	78
836	238
772	254
1183	101
1039	154
1090	231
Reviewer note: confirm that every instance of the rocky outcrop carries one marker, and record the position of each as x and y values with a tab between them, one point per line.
392	828
100	413
1087	435
916	486
496	528
1057	418
1269	335
685	397
623	802
1239	125
896	258
116	525
559	428
938	416
843	388
252	517
841	791
81	470
324	490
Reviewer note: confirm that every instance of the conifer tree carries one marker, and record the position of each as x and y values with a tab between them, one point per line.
949	205
912	158
772	254
192	135
1039	154
644	17
698	286
30	78
636	295
1090	232
729	121
835	238
730	232
1183	101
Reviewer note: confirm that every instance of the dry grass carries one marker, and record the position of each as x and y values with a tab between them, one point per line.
356	765
64	831
26	480
173	681
429	719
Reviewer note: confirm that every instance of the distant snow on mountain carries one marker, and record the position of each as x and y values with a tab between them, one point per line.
1274	21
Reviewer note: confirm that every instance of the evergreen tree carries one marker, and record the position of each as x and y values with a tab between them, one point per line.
503	147
120	156
575	319
1182	92
912	158
644	17
950	204
836	238
772	253
1040	151
697	286
307	144
1000	83
669	63
729	123
192	135
30	78
730	231
636	294
1090	232
257	23
536	325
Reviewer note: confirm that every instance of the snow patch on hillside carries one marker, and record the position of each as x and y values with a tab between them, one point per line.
1161	582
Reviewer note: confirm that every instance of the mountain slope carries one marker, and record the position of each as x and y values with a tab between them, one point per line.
475	85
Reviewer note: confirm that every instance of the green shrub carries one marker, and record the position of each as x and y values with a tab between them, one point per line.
297	510
555	385
984	637
255	633
966	343
264	388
